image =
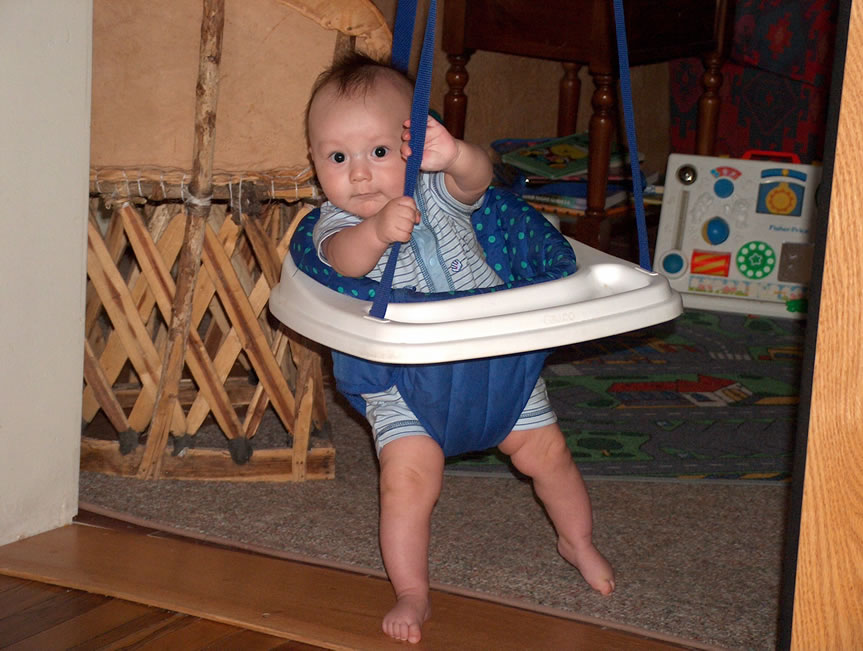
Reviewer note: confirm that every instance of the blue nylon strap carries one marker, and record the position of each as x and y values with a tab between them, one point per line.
403	34
629	121
402	40
419	117
420	107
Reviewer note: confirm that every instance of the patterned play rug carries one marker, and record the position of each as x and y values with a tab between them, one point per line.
709	395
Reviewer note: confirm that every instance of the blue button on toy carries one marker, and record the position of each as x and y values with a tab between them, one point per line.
716	231
723	188
673	264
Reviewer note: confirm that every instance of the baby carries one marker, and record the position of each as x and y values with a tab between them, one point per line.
357	122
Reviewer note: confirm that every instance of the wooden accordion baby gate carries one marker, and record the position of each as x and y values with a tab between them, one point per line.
182	257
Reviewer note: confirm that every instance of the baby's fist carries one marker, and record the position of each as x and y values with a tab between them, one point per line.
396	220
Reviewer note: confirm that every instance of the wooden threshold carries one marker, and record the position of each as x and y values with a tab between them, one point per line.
310	604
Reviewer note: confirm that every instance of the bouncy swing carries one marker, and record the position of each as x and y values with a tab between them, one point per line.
478	351
548	302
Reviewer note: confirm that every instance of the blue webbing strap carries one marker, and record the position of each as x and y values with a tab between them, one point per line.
402	40
403	34
420	107
419	117
629	121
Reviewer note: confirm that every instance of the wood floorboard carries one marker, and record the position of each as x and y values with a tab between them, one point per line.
107	623
48	613
19	595
186	595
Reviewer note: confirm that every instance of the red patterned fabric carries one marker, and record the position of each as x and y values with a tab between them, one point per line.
775	84
792	38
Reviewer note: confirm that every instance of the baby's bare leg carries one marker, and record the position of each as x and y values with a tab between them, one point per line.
411	478
542	455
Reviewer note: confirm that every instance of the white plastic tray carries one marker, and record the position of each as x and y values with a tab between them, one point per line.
606	296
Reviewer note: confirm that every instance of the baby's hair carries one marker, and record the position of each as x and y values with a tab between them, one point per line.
354	74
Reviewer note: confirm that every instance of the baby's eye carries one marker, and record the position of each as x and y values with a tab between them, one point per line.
381	151
338	157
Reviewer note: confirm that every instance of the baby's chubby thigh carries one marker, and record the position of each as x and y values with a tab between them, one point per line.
411	460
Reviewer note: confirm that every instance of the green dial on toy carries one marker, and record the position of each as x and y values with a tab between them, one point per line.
756	260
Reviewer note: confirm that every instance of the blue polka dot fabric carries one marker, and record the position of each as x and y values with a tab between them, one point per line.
519	243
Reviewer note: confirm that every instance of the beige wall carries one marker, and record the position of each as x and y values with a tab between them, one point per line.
511	96
44	143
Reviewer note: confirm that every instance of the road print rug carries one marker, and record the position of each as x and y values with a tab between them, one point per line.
709	395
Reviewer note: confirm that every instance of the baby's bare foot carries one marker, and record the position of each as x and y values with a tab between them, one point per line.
593	567
405	620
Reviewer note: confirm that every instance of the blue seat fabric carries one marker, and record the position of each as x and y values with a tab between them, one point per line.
467	405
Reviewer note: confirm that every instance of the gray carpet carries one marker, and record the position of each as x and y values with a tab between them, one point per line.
696	560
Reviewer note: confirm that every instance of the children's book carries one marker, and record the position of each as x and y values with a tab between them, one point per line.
614	196
519	182
573	195
563	213
551	159
566	158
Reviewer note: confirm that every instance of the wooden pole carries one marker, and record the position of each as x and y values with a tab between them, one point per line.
197	212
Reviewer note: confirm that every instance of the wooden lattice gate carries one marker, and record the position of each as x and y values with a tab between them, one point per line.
238	362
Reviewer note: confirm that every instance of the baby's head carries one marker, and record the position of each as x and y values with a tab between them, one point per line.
354	124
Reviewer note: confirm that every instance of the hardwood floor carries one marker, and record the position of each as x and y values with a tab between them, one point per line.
168	592
42	617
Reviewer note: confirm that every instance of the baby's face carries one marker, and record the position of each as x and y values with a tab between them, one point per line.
354	142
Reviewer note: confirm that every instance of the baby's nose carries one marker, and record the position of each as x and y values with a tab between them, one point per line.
359	171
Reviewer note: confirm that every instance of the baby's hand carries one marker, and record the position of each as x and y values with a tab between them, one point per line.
440	150
396	220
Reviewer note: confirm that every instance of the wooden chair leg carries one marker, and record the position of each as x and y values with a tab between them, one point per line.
709	103
590	229
455	100
567	107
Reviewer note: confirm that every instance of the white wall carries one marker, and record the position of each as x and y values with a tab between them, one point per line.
45	48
